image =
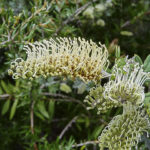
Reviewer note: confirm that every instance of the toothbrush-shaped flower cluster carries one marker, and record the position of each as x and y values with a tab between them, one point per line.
62	57
124	131
125	85
128	84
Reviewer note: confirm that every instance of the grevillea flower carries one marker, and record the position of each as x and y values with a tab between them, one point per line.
95	99
62	57
128	83
124	131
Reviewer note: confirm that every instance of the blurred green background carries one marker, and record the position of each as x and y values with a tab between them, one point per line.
49	114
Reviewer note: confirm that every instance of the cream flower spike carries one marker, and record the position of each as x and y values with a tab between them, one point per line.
62	57
128	83
125	131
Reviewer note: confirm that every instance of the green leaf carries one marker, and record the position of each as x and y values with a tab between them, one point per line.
81	88
13	109
5	107
147	98
14	32
22	28
83	147
30	35
126	33
42	109
87	122
146	66
138	59
39	115
5	87
121	62
48	30
65	88
51	109
97	131
147	94
81	120
1	92
117	52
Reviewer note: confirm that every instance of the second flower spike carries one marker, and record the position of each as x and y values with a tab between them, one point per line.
125	131
128	83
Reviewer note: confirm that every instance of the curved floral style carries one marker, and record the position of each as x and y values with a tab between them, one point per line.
124	131
62	57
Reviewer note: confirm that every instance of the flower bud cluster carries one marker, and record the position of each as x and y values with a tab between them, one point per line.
97	9
62	57
124	131
95	13
89	13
